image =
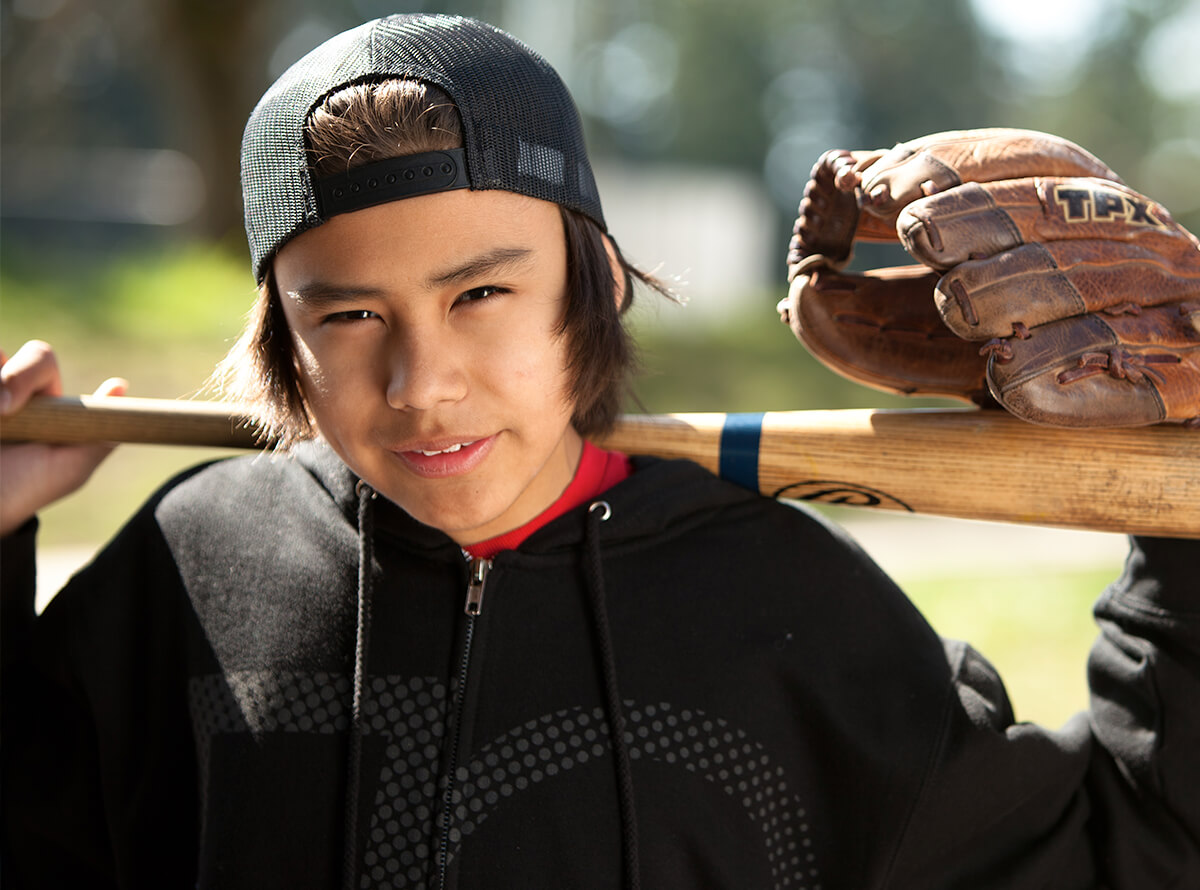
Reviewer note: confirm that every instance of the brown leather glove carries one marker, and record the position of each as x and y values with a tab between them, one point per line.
1087	293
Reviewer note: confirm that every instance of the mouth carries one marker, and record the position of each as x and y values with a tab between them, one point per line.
446	457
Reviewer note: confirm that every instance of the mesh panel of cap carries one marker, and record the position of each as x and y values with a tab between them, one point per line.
520	126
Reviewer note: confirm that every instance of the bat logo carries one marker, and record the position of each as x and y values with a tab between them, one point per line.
1080	205
832	491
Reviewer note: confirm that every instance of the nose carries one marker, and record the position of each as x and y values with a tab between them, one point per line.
423	372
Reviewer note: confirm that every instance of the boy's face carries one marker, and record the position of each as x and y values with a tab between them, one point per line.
425	331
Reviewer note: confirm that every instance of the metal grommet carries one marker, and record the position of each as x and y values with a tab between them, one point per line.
361	485
605	506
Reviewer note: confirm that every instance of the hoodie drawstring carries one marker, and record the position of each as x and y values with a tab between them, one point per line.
599	512
366	557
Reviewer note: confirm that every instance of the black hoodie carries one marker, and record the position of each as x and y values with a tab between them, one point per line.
269	679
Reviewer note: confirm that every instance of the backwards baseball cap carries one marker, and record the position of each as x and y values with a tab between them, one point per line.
521	130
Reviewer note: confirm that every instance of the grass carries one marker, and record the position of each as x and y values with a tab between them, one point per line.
163	320
1035	628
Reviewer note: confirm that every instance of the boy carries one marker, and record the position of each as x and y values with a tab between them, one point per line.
447	642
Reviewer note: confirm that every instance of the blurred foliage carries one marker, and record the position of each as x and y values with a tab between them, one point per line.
761	85
1035	627
160	318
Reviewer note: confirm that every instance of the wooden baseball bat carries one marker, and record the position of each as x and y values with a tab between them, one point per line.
968	464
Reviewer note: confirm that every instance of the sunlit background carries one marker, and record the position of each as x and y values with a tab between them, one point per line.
121	243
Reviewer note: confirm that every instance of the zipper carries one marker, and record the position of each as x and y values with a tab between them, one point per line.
479	572
474	606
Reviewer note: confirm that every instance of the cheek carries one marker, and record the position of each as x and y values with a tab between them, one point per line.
537	365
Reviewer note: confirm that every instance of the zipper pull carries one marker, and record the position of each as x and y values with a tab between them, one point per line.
479	572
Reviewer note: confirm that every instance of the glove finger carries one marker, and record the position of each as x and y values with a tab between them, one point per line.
881	329
828	217
932	164
983	219
1094	371
1034	284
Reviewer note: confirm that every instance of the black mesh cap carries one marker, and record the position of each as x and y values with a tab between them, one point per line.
520	126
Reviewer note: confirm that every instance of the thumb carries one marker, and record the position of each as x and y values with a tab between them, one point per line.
113	386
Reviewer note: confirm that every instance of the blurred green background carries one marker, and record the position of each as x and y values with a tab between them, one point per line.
120	237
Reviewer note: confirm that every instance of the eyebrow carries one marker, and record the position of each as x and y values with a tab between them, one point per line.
501	259
318	295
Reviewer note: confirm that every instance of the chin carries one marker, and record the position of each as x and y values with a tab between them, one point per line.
450	519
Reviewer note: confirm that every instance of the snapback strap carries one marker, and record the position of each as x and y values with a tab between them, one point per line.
390	180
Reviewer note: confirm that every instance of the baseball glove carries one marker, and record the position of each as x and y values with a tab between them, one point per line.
1043	283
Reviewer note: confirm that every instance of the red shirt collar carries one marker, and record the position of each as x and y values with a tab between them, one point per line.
597	472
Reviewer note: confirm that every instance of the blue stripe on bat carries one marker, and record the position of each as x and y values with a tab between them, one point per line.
739	449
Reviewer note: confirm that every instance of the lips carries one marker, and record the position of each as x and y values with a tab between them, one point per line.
446	457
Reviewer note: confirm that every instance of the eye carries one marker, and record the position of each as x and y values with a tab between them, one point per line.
349	315
480	294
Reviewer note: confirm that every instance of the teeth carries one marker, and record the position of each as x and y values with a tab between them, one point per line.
450	450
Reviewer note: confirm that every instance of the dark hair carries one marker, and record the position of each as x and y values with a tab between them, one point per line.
394	118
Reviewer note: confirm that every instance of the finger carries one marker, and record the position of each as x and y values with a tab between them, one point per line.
984	219
932	164
113	386
1035	284
1094	370
32	370
37	474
